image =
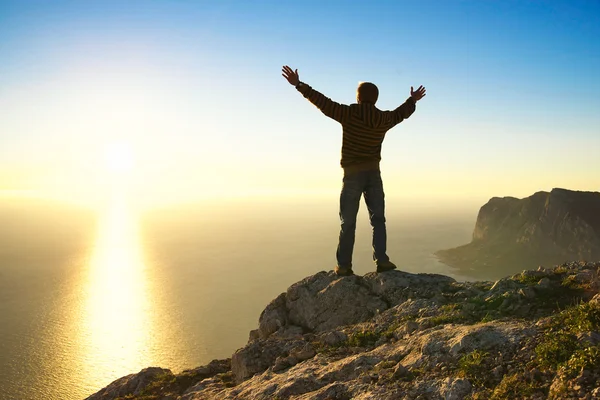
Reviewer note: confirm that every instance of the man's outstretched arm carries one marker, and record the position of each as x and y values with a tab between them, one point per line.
334	110
393	118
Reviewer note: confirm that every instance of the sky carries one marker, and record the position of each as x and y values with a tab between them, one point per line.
179	101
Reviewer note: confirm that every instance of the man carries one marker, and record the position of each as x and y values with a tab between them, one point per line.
364	128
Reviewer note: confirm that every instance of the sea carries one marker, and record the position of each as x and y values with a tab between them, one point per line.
89	296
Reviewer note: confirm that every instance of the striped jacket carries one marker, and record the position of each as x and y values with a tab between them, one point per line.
364	127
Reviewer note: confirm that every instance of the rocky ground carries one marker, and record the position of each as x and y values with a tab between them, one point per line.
395	335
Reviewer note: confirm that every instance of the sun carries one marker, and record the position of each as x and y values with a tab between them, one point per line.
118	158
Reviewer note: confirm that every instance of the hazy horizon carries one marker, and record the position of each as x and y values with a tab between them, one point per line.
161	182
173	102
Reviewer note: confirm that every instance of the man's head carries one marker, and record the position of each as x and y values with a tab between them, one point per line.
367	93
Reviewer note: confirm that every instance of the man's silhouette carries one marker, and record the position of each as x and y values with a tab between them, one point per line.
364	128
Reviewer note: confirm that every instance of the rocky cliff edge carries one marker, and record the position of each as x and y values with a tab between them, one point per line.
397	335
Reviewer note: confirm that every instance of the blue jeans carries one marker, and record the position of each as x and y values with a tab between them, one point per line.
369	183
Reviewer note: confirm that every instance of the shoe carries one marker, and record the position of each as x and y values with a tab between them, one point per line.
343	271
385	266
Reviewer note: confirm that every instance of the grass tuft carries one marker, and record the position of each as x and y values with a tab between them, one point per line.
471	366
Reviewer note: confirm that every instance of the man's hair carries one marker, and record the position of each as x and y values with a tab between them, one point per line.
367	93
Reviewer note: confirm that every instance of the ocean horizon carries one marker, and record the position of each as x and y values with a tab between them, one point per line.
87	298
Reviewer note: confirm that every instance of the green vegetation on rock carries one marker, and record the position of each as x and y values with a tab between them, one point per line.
560	345
471	366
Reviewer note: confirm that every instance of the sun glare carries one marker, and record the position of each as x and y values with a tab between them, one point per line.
118	157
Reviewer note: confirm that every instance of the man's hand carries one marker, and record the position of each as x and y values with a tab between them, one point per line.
419	94
292	76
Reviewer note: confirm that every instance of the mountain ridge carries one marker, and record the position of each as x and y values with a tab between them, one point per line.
546	228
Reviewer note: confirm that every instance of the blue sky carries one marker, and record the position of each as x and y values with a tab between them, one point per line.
193	92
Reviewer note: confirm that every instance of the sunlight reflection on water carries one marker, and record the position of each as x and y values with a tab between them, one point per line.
116	310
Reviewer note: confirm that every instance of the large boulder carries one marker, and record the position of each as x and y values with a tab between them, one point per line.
273	317
327	301
321	302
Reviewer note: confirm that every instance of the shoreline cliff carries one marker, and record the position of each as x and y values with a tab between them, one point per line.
546	228
397	335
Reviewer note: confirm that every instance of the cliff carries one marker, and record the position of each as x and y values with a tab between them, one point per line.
543	229
397	335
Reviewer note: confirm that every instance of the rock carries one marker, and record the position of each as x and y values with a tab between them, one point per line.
254	335
334	390
523	310
527	292
273	317
199	378
282	363
455	389
129	385
586	276
211	369
298	386
506	304
399	333
412	326
503	285
395	287
589	338
400	371
498	372
544	283
349	368
303	353
485	337
259	355
334	338
326	301
416	307
406	329
289	332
